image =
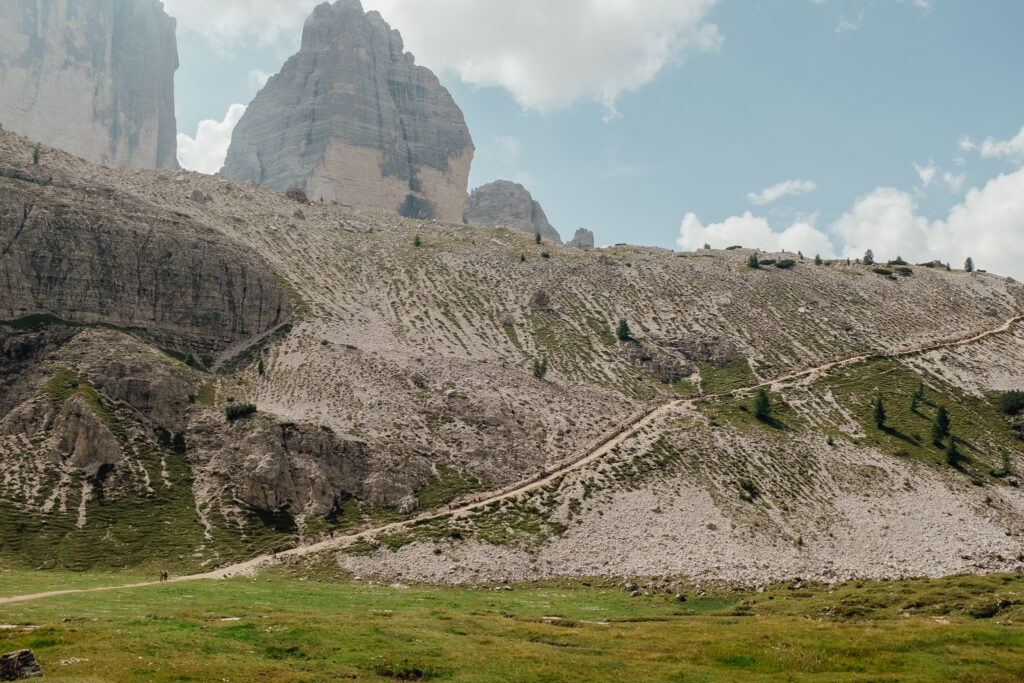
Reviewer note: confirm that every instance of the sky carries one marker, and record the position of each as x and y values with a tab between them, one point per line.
824	126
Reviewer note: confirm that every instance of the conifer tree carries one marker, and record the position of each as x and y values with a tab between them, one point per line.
940	426
969	265
762	406
879	412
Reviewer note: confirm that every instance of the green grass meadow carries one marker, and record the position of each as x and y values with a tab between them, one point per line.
278	627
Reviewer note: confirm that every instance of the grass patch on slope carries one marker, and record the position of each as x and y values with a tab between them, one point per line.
729	377
956	628
132	529
978	426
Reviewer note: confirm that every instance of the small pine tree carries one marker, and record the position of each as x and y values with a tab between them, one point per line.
913	402
537	238
416	241
969	265
940	426
190	360
540	368
762	406
623	332
817	259
522	258
953	456
707	246
752	261
878	413
35	156
259	366
869	258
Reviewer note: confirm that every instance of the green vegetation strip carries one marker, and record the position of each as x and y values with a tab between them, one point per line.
287	629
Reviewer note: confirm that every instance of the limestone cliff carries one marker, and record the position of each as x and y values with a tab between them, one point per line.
90	255
510	205
351	118
583	239
94	78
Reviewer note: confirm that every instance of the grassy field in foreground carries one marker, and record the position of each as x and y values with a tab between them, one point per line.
286	629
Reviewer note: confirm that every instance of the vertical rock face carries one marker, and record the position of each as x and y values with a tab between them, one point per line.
351	118
92	77
583	239
507	204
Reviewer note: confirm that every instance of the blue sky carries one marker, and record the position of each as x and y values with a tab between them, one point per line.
873	112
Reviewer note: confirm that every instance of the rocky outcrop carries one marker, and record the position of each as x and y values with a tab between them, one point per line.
583	239
507	204
93	78
110	262
351	118
17	666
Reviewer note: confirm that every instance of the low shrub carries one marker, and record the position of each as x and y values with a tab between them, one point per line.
785	263
238	410
882	271
1012	402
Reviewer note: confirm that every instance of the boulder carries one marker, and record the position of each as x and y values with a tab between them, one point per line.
17	666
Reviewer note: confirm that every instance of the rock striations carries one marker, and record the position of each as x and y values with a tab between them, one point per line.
510	205
93	78
351	118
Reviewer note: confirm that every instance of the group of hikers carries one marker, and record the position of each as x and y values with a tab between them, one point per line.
163	577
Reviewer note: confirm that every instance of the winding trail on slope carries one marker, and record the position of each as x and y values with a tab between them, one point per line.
546	477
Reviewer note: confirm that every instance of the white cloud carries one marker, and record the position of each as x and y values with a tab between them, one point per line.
205	153
549	55
259	78
966	144
786	187
885	222
955	182
986	225
845	24
226	22
1013	148
926	173
755	232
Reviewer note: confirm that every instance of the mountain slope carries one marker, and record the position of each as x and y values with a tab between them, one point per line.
415	364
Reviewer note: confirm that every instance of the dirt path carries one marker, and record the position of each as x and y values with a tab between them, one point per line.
543	479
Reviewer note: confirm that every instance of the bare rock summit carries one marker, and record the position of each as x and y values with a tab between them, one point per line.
509	205
583	239
92	78
351	118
